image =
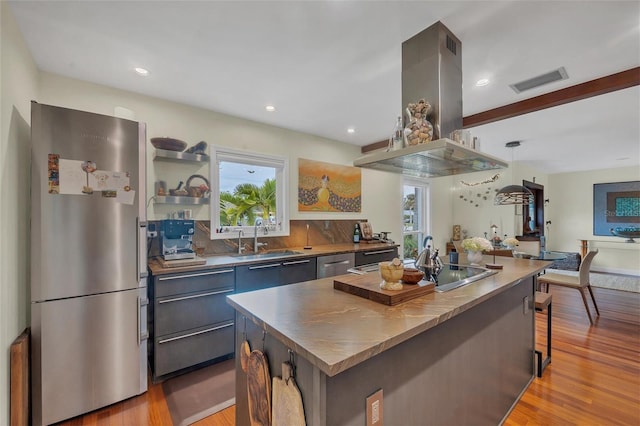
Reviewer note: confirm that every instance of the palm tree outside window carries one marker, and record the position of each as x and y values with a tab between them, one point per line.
248	189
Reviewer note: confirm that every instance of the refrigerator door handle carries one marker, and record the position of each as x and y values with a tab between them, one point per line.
141	234
141	301
138	307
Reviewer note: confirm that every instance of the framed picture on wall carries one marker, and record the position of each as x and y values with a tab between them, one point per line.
615	205
328	187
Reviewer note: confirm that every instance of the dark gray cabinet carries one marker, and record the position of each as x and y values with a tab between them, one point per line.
191	321
297	271
375	256
273	273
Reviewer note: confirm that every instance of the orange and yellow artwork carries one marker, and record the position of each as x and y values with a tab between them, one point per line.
328	187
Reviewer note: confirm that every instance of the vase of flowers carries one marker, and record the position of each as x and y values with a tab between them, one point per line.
511	243
474	247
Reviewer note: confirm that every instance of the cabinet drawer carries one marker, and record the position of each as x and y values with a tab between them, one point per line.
186	311
332	265
257	276
185	350
375	256
296	271
191	282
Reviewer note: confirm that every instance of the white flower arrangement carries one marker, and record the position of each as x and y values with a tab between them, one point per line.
510	242
477	244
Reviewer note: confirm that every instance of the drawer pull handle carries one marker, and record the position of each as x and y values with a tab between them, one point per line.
273	265
342	262
296	262
195	296
208	330
203	274
369	253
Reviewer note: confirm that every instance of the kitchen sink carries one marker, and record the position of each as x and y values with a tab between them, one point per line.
267	255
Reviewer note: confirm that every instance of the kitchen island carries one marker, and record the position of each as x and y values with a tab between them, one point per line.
459	357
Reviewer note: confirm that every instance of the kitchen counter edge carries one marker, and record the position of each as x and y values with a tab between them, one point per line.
228	260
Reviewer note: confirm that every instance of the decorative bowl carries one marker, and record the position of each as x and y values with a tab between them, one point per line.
169	144
412	276
629	233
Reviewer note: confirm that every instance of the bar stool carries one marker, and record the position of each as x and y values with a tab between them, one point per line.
543	301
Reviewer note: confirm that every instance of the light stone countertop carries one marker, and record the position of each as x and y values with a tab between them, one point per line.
335	330
219	261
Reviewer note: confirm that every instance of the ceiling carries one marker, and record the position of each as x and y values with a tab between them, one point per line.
330	65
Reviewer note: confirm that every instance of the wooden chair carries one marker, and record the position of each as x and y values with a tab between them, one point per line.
580	283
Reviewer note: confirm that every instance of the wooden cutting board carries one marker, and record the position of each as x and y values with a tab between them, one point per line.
287	401
368	286
182	262
259	389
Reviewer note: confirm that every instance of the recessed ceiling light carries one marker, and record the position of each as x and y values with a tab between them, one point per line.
270	108
482	82
351	130
142	71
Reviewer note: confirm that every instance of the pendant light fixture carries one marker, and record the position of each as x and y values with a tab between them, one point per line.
513	194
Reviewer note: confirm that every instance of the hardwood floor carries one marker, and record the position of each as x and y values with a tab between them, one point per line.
594	376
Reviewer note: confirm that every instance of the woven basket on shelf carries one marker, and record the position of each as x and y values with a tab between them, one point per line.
197	191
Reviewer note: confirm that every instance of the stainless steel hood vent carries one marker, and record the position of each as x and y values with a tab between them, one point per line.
443	157
432	70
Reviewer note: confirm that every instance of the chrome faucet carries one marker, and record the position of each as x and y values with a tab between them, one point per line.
240	247
256	244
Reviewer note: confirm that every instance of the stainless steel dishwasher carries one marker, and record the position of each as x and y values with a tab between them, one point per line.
337	264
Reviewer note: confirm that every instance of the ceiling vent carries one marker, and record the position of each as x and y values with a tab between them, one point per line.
541	80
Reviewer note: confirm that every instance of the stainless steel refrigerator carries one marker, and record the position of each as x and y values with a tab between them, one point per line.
88	262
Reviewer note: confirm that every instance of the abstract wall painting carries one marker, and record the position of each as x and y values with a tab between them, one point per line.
615	206
326	187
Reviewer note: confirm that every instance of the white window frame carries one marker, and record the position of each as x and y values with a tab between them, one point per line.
425	220
281	164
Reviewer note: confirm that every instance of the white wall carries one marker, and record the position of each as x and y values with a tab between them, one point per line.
571	213
18	85
192	125
449	206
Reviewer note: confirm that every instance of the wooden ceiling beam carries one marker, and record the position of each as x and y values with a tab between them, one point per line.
599	86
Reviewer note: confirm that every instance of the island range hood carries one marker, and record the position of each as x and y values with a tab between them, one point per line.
432	70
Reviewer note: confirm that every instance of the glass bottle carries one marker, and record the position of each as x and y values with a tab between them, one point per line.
356	234
397	138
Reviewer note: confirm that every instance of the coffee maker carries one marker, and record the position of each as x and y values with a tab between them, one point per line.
176	237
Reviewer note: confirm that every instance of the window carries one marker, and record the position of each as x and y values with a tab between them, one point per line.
248	189
414	213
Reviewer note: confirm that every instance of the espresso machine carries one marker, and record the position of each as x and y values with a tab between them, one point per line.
176	238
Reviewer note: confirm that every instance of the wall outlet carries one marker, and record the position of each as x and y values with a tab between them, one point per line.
151	231
374	409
